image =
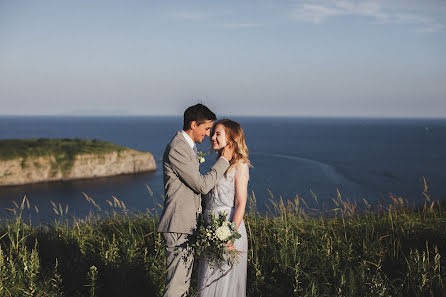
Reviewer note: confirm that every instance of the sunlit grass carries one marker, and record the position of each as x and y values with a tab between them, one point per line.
351	249
63	151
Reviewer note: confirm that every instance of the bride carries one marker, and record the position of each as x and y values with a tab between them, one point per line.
228	195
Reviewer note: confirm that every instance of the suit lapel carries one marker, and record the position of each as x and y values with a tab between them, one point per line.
184	141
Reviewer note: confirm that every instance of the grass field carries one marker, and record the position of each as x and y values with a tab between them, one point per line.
64	151
23	148
350	250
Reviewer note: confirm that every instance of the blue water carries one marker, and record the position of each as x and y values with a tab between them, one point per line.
363	158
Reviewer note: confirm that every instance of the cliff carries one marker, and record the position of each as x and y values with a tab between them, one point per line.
68	159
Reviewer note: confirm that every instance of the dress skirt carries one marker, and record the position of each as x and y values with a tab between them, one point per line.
231	282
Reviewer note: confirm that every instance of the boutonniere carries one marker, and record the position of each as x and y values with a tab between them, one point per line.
201	158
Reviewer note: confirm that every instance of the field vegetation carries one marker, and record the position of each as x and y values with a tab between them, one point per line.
64	150
391	249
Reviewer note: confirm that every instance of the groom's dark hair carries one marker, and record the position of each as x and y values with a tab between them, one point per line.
198	113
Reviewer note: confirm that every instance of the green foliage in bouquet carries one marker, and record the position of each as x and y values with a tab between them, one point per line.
212	237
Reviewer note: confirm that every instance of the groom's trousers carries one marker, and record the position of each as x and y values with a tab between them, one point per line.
179	262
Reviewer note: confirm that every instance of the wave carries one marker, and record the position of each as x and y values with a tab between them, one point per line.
327	170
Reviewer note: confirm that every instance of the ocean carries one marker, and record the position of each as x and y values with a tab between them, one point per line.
361	158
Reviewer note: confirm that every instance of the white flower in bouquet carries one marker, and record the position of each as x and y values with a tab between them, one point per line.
212	237
223	232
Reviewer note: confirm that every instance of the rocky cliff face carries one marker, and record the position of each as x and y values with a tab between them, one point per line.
39	169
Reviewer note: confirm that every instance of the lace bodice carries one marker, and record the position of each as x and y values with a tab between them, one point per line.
223	193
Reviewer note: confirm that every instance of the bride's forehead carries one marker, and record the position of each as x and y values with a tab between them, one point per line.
219	128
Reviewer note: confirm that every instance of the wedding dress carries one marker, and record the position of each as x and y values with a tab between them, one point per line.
231	280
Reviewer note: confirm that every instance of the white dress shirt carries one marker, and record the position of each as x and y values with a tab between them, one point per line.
189	140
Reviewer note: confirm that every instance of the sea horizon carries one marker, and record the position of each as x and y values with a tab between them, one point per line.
363	158
353	117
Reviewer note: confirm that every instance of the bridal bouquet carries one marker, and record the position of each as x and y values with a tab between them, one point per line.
212	238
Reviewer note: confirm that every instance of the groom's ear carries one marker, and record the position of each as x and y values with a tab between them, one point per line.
193	125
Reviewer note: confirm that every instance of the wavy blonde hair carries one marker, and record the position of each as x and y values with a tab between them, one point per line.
236	136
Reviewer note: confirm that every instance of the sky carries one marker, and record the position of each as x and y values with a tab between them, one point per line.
332	58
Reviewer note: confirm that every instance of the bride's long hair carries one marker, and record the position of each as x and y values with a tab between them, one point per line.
236	136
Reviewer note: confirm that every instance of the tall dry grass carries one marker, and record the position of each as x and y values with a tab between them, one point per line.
350	249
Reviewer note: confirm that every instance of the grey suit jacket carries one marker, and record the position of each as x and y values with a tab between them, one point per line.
183	186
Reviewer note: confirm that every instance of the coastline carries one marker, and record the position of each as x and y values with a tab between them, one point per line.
45	160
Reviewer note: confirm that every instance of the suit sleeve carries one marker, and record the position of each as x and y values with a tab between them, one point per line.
187	170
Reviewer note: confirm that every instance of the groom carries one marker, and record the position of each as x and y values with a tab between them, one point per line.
183	186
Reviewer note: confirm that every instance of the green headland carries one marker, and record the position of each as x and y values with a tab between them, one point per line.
23	148
38	160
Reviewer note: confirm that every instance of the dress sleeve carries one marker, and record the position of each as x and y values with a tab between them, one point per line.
242	171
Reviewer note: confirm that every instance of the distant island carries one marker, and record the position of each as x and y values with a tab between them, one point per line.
24	161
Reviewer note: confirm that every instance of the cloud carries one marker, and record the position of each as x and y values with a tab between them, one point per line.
200	16
317	11
190	15
431	29
242	25
425	24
